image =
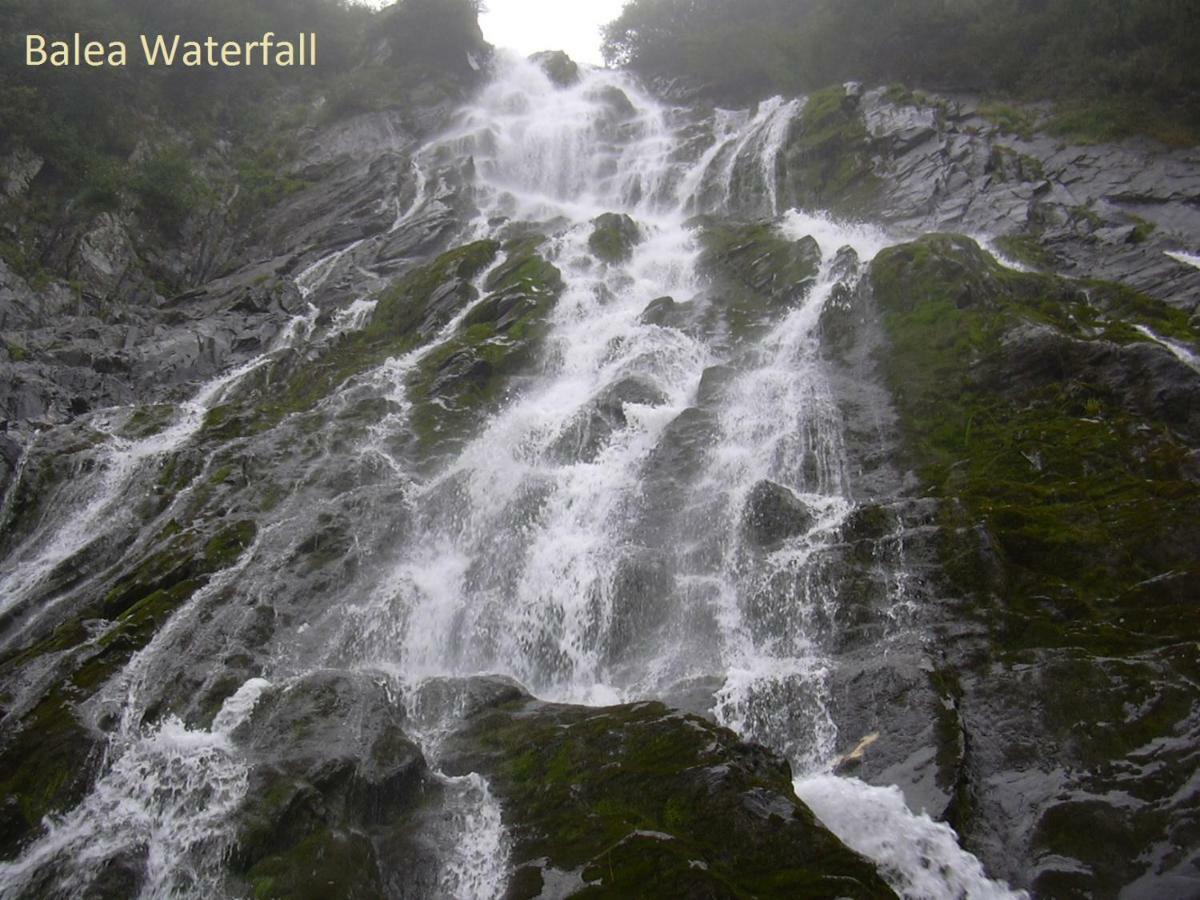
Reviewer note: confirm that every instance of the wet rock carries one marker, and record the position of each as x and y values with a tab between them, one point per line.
829	157
103	256
714	383
614	235
682	446
758	259
496	341
1106	211
1054	401
773	514
10	456
592	428
559	67
661	311
672	803
619	105
332	773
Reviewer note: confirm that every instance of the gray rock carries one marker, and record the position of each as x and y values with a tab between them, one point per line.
773	514
559	67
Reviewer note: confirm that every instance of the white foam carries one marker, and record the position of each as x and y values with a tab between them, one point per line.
920	858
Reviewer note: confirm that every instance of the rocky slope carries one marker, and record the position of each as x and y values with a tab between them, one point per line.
988	534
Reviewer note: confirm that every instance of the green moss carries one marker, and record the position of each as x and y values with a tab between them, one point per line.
613	237
44	769
828	157
1142	231
757	273
647	802
456	384
404	317
148	421
16	352
1006	164
1026	249
1082	498
1011	118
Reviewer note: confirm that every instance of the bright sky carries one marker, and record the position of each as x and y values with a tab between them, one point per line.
531	25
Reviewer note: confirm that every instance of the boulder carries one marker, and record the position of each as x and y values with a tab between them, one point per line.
333	778
559	67
643	800
614	235
773	514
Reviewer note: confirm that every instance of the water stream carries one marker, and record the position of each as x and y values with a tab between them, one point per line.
591	574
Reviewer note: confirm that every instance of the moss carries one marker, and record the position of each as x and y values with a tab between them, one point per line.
1006	164
148	421
44	769
1079	496
224	549
1026	249
899	95
16	352
1142	231
456	384
828	157
405	315
344	860
48	754
649	802
1010	118
756	272
613	237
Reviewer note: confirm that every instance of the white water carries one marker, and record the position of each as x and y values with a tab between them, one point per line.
169	793
1188	259
1180	351
518	557
919	857
95	498
522	559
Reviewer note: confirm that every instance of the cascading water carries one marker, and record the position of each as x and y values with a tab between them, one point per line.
592	571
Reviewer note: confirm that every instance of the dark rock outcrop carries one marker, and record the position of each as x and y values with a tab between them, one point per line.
336	789
773	514
640	799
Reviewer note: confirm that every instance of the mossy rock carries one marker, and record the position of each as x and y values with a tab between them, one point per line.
756	274
999	377
641	800
559	68
613	237
406	315
463	379
47	756
828	157
1061	445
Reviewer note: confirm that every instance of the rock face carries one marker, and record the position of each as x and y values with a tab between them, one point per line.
254	451
334	787
923	163
559	67
645	800
613	237
1048	433
773	514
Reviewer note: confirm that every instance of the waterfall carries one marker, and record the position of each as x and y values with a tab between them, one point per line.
595	576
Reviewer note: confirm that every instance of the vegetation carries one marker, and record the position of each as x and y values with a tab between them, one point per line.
166	142
1069	491
1116	66
643	801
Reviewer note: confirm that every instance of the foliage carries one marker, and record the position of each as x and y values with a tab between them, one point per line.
1127	62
